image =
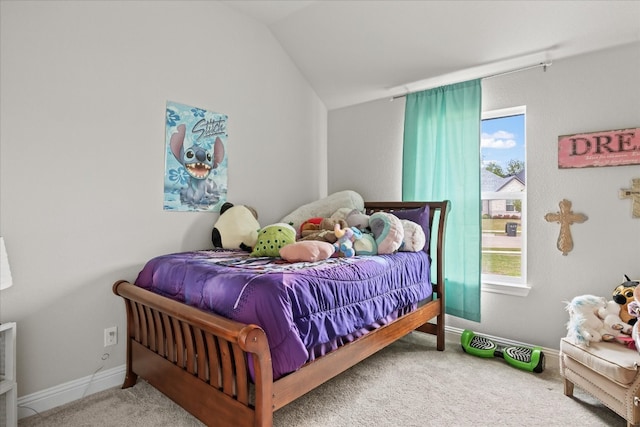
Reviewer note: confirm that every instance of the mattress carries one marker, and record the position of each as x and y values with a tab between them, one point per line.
305	309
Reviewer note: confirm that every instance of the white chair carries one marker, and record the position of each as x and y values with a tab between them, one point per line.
606	370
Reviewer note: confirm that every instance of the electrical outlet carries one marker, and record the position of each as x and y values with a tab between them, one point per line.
111	336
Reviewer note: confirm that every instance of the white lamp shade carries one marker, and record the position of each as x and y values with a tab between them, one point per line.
5	272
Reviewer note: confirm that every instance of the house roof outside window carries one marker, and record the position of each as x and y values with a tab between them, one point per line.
490	182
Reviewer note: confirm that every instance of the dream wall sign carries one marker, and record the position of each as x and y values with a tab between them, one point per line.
608	148
196	162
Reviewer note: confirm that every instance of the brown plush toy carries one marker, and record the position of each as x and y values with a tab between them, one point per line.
321	229
623	295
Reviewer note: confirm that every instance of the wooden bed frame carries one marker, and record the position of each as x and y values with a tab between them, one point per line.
200	360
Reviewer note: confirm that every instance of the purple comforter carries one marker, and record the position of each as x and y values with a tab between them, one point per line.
302	307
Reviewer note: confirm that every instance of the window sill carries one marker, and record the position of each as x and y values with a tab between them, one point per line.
519	290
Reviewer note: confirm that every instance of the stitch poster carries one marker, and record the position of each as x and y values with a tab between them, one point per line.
196	162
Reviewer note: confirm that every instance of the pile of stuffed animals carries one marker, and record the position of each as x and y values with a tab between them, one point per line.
355	233
593	318
343	232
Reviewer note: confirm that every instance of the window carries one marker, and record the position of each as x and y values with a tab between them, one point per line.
504	201
510	206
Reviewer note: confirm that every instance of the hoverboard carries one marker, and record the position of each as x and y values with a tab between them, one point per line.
528	358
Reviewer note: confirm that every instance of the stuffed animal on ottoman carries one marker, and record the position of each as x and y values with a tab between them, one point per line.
634	311
584	325
623	295
613	324
236	228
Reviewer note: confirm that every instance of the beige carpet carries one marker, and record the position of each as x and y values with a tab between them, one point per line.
407	384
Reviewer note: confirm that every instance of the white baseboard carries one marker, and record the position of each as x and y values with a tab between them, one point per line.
50	398
68	392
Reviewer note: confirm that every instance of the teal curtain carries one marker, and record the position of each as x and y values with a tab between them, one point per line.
441	160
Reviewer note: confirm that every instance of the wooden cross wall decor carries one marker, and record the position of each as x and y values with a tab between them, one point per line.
565	218
633	193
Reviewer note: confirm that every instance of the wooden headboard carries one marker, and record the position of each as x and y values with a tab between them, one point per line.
438	212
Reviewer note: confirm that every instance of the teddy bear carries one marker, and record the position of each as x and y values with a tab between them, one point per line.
320	229
236	228
613	324
584	325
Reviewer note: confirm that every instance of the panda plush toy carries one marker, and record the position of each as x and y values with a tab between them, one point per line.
236	228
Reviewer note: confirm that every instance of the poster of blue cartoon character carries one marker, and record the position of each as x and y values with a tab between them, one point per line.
196	164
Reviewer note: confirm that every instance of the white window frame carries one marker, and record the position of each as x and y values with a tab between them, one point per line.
498	283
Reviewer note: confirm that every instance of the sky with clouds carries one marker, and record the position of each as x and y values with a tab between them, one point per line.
503	139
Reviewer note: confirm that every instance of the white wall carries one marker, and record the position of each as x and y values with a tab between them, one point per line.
84	87
83	90
599	91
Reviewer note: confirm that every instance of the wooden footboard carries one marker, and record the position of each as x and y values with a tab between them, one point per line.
202	361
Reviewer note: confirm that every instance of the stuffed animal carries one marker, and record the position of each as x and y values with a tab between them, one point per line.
414	238
584	325
272	238
320	229
346	237
236	228
388	231
325	208
634	311
366	245
307	251
623	295
357	219
613	324
341	214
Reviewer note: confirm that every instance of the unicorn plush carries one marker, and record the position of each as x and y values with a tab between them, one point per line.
584	325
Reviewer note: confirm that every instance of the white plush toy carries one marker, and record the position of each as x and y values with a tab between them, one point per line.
236	228
613	324
584	325
414	238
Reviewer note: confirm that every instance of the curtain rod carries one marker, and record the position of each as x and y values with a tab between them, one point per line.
544	66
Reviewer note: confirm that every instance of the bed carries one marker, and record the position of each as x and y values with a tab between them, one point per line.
230	371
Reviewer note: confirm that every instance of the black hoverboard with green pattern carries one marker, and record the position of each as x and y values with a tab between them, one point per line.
528	358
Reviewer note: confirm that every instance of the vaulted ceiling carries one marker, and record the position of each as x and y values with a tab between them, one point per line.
357	51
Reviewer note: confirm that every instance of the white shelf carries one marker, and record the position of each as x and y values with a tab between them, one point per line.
8	385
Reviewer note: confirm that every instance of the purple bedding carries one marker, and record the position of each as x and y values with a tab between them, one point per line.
305	309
